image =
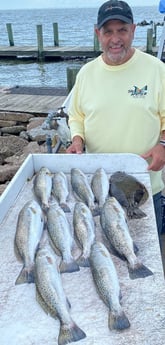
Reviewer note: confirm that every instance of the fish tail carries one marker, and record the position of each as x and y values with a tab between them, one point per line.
25	276
65	207
135	213
69	267
45	207
96	211
69	334
118	321
139	271
83	261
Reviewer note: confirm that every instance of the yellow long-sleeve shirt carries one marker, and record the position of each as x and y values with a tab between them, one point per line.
120	109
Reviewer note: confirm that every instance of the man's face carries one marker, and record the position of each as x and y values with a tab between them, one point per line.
116	39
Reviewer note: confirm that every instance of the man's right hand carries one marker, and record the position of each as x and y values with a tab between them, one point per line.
77	145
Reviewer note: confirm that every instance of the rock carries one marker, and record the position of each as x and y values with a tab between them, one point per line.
13	130
7	172
12	116
11	145
38	134
5	123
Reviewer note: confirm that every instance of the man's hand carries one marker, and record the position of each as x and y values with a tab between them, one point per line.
157	156
77	145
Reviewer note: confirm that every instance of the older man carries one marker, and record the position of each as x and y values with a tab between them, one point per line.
118	102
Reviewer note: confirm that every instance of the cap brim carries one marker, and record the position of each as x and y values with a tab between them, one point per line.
117	17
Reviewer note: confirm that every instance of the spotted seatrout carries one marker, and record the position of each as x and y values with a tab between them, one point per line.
114	225
60	190
84	229
42	187
61	239
82	189
100	186
50	295
106	280
29	230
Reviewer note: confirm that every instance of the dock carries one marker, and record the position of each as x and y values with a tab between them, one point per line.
41	52
48	52
38	101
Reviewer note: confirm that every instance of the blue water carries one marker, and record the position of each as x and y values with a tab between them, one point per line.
75	27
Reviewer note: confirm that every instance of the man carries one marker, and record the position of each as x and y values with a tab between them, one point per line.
118	101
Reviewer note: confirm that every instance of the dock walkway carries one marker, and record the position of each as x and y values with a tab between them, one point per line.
48	52
35	100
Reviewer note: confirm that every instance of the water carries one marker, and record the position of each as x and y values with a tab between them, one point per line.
75	26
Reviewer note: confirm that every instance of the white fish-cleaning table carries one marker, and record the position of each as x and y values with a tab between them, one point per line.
22	321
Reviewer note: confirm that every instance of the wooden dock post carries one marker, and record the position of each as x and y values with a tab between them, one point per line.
96	41
71	77
55	34
149	41
10	34
40	43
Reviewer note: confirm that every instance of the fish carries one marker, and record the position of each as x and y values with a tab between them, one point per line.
100	186
84	229
115	227
106	280
60	238
60	190
29	230
129	192
51	296
82	190
42	187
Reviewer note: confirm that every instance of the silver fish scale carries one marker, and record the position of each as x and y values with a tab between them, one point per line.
81	187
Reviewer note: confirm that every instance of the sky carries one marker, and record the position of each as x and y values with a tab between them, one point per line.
30	4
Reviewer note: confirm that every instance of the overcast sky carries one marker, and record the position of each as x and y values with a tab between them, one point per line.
18	4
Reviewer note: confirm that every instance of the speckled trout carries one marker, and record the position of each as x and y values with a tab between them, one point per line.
84	229
100	186
82	190
42	186
29	230
114	225
50	295
61	239
60	190
106	280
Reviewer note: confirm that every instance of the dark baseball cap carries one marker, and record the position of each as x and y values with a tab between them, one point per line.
114	9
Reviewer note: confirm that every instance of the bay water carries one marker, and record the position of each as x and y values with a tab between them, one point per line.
75	27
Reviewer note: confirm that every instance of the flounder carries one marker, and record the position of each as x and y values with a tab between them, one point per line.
129	192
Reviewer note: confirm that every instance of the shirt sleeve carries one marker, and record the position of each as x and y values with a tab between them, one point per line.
76	116
162	101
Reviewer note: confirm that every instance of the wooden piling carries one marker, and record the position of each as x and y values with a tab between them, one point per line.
40	43
149	41
71	77
55	34
96	41
10	34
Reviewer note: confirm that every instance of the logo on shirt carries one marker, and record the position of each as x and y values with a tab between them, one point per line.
137	92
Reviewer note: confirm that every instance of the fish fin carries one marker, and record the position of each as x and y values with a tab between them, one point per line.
69	267
69	334
65	207
139	271
114	252
135	248
118	321
82	261
68	305
135	213
25	276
